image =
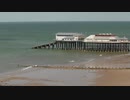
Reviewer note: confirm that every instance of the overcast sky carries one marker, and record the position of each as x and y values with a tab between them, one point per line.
63	16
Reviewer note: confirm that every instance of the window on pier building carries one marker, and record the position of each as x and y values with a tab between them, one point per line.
113	40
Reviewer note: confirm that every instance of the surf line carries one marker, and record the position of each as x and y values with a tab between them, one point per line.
90	60
27	68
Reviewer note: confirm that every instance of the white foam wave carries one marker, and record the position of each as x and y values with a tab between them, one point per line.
27	68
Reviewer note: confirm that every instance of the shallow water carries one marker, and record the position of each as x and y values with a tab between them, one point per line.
51	77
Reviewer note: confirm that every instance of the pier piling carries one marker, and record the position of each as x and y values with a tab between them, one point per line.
88	46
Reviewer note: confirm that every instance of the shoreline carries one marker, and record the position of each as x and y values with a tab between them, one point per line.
66	77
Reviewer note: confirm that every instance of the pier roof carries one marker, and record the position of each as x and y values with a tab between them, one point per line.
63	33
105	34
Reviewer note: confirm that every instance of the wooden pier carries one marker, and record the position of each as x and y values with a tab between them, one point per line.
87	46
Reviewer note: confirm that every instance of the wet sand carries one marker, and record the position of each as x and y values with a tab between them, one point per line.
115	77
78	77
49	77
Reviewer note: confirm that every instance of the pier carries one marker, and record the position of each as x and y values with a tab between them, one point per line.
97	43
46	46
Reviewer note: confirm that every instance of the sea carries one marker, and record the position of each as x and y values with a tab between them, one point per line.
18	38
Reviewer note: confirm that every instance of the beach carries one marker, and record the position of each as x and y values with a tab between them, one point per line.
116	77
17	40
73	77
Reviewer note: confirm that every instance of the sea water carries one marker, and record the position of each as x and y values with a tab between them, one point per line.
17	39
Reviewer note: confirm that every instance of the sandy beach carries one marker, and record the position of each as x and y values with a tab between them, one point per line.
115	77
73	77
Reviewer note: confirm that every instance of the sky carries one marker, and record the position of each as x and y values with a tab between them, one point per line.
63	16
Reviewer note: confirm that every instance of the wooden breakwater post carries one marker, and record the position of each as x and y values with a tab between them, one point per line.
69	67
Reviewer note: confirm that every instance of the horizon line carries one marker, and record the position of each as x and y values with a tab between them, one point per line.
62	21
